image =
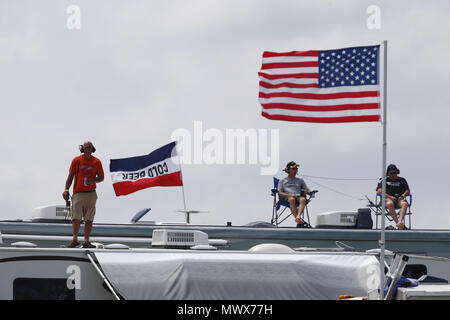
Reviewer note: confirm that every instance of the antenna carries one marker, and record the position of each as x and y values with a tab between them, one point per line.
188	213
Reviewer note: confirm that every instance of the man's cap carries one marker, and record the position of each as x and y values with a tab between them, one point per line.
291	164
392	169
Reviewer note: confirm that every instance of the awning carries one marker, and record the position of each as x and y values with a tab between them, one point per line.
228	275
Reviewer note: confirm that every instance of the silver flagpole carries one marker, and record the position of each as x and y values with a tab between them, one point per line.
182	181
383	176
182	190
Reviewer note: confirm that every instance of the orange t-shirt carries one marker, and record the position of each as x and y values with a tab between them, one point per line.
83	168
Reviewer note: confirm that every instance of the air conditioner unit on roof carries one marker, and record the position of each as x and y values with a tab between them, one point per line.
337	219
164	238
51	213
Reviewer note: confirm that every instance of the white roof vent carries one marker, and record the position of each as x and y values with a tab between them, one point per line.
164	238
271	248
23	244
203	247
117	246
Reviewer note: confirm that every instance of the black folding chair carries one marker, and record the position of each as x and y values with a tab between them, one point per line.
280	205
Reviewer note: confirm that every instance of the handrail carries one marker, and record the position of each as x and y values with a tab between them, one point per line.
88	253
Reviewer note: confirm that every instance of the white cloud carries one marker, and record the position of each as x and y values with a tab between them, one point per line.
19	46
162	17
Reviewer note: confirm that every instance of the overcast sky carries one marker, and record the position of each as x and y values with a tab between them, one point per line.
136	71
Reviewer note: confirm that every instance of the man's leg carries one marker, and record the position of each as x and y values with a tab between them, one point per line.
391	207
75	228
76	215
89	216
87	230
403	207
293	207
301	208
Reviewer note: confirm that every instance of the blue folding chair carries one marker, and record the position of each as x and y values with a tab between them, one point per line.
378	208
280	205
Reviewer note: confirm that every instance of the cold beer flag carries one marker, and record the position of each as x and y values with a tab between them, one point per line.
327	86
160	168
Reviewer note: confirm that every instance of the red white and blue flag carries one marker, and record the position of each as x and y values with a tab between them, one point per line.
160	168
328	86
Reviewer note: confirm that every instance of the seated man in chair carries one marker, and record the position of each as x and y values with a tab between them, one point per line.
397	190
293	190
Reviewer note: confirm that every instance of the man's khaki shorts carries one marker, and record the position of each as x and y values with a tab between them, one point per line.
83	205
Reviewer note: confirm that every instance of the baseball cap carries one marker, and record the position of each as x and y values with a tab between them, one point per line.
392	169
291	164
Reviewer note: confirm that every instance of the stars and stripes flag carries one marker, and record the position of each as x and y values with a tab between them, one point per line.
327	86
159	168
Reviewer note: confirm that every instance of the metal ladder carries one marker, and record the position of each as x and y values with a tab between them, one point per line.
394	274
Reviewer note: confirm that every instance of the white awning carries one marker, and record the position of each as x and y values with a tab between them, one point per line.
231	275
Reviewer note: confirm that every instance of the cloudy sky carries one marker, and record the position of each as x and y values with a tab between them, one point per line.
136	71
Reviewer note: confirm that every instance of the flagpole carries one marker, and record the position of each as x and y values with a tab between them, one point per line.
383	175
186	213
182	182
182	190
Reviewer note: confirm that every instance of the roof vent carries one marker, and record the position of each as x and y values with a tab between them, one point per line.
139	215
203	247
182	239
23	244
271	248
117	246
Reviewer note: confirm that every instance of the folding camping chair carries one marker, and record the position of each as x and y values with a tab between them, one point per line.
377	207
280	205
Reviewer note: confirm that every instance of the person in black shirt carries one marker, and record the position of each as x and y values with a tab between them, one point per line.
397	190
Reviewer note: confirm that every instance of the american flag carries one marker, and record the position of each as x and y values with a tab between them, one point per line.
327	86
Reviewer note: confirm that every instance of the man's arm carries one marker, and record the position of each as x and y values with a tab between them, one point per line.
281	191
99	176
406	188
68	184
97	179
405	194
380	190
284	194
304	188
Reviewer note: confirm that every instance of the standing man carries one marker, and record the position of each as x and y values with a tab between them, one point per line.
397	190
294	191
87	171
